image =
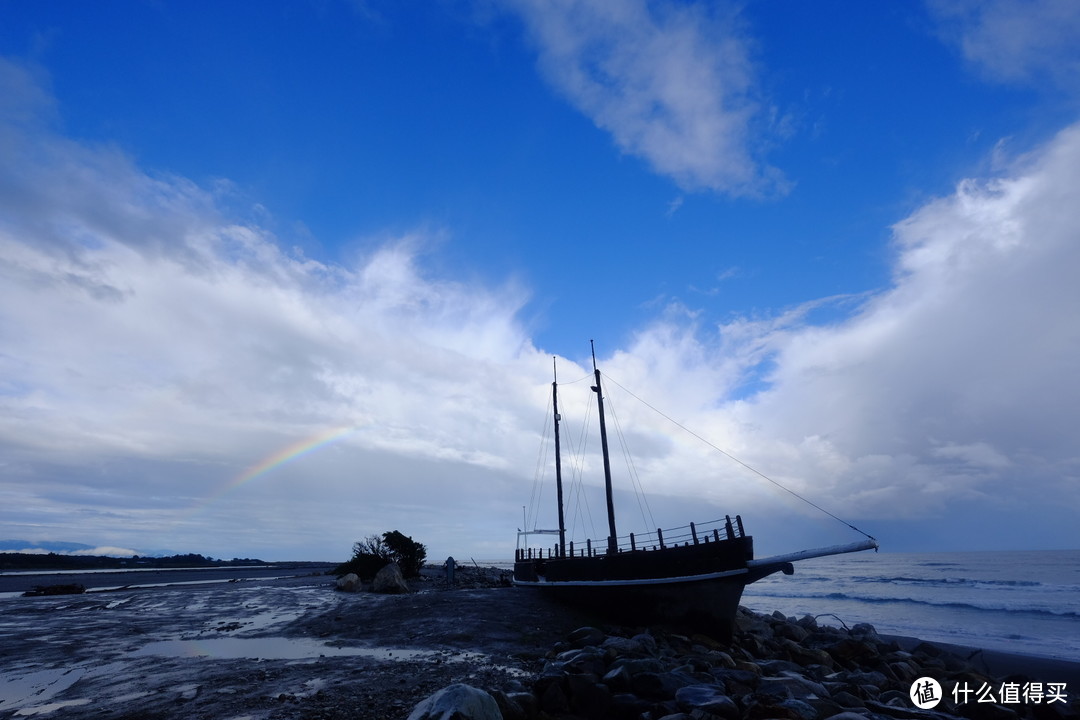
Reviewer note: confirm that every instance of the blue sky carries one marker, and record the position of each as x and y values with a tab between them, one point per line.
836	238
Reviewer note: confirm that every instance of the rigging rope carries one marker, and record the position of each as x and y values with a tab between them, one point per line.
577	464
631	469
538	475
583	497
748	467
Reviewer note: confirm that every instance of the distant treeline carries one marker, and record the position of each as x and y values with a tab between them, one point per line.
53	561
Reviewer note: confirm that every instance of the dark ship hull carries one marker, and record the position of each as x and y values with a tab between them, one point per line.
696	585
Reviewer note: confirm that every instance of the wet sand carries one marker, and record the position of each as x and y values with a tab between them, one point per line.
287	648
257	648
20	582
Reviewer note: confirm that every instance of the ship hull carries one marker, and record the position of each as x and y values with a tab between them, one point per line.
695	586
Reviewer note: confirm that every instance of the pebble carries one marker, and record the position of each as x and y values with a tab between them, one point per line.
774	667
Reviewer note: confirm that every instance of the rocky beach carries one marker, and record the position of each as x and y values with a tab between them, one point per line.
296	647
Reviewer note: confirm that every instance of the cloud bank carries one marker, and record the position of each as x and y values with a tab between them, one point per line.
156	350
950	393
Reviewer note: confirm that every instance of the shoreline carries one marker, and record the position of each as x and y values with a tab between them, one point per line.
13	584
1002	663
293	648
109	580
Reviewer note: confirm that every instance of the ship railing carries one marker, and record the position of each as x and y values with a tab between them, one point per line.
692	534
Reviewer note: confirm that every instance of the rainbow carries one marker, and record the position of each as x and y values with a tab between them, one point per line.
290	453
281	457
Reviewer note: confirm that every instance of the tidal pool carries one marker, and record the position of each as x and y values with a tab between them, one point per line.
278	648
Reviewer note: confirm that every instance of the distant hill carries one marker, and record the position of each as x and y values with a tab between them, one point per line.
59	557
56	547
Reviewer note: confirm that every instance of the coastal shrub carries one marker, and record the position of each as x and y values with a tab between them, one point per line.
373	553
406	552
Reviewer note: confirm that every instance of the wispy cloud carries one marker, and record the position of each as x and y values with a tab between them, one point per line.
672	82
1016	41
674	205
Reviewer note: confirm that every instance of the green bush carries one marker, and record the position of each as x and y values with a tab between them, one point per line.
406	552
373	553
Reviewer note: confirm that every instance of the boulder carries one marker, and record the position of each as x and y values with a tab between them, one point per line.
791	685
457	702
586	636
390	580
348	583
709	699
618	679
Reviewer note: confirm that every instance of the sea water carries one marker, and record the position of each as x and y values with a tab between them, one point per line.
1022	602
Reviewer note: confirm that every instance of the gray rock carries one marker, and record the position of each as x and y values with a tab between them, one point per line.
791	685
791	631
510	706
627	706
826	708
895	698
624	647
775	667
865	631
661	686
526	701
586	636
709	699
799	708
720	658
910	713
390	580
554	700
348	583
590	699
585	660
904	671
737	682
851	650
861	678
646	641
457	702
639	665
618	679
848	700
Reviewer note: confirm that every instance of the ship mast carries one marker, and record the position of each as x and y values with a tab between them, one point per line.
558	458
613	545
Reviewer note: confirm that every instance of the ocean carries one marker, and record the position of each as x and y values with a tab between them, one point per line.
1022	601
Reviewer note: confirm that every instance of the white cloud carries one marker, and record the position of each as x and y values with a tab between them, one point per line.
1016	40
672	82
154	348
956	385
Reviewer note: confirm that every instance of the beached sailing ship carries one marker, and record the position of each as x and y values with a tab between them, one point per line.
693	575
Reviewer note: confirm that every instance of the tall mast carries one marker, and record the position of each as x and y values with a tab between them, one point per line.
558	458
613	545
